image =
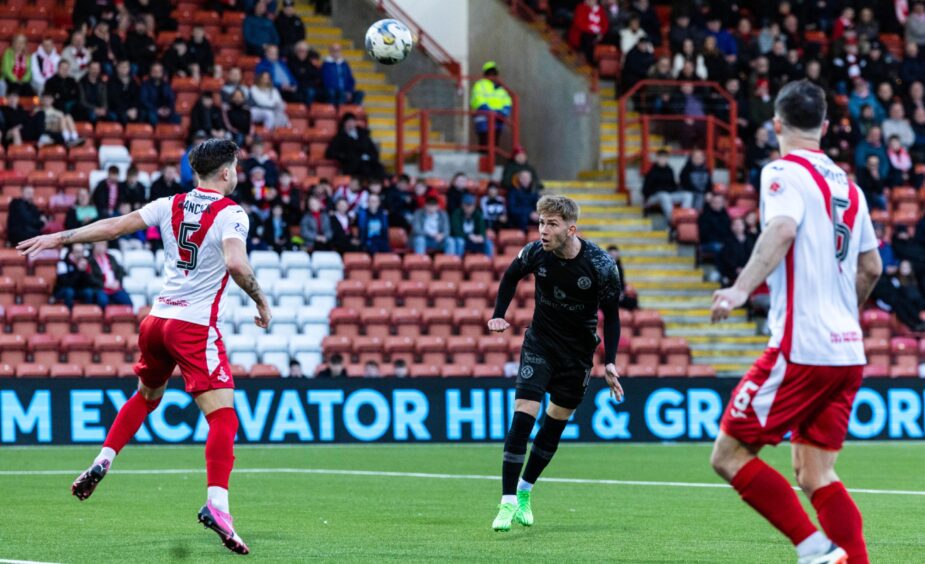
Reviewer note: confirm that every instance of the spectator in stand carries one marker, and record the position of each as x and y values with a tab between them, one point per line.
867	28
872	145
880	66
140	48
373	223
636	64
521	202
588	28
64	90
398	202
689	54
187	178
628	298
234	81
430	230
104	266
467	229
267	105
17	70
178	61
689	103
909	304
918	127
900	163
238	120
648	18
696	178
208	117
315	227
77	54
718	68
682	29
518	163
276	228
295	370
259	157
93	104
735	253
289	197
339	85
714	225
108	193
757	155
660	187
724	40
335	368
133	191
421	194
59	129
761	104
489	96
83	212
865	122
25	221
289	27
106	47
371	370
912	68
76	279
843	23
157	98
400	369
631	35
897	125
44	64
14	121
872	184
259	30
257	191
861	95
280	74
200	50
354	150
305	65
459	187
354	194
915	24
345	235
494	208
168	184
123	93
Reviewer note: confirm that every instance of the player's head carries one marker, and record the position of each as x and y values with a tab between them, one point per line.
215	163
558	221
799	111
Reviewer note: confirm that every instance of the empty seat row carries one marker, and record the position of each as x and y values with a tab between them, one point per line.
70	348
58	320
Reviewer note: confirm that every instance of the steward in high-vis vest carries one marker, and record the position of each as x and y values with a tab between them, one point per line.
488	94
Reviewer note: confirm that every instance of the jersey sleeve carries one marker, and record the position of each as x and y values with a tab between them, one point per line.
236	224
609	284
528	259
780	194
153	212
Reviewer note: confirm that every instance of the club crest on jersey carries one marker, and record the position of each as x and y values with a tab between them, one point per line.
526	372
584	282
541	271
776	187
222	375
559	294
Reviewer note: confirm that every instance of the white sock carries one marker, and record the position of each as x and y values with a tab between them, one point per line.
512	499
815	543
522	485
68	135
105	454
219	498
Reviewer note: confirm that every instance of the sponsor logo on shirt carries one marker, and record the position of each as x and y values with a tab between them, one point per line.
559	294
239	227
172	302
541	271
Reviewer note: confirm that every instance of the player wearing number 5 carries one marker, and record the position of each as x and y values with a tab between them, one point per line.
204	235
819	255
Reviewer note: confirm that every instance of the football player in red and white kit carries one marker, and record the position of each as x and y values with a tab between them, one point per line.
819	255
204	234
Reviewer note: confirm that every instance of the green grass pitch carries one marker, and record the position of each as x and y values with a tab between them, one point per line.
147	516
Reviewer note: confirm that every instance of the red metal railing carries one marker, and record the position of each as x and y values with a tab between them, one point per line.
492	150
425	42
717	130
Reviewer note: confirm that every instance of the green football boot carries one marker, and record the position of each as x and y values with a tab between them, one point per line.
524	514
505	517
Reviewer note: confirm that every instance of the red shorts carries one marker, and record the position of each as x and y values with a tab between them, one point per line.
197	349
775	396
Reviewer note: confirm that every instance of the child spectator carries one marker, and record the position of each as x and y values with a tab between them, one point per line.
494	208
373	223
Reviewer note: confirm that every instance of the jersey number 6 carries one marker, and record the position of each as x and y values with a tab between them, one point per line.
183	241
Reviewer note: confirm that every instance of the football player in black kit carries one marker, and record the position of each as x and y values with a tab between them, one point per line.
574	279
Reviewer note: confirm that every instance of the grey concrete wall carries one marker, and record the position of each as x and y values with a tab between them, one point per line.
560	140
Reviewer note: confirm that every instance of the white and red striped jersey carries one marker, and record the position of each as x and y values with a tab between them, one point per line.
814	304
193	227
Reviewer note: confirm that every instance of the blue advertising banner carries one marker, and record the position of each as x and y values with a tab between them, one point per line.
78	411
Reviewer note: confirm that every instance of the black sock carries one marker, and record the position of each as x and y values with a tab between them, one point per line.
544	447
515	450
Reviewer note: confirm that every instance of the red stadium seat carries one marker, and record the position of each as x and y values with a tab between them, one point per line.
110	348
22	319
88	319
387	266
78	348
376	321
449	268
66	370
646	350
55	319
463	349
336	345
34	290
12	349
399	348
488	371
264	371
478	268
418	267
642	370
12	263
905	351
470	322
455	371
473	294
675	351
44	349
413	293
443	294
352	293
424	371
368	349
671	371
121	321
876	323
382	293
701	371
439	322
31	370
431	350
877	351
406	321
494	349
345	322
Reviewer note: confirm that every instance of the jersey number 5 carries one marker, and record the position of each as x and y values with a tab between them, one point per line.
842	231
183	241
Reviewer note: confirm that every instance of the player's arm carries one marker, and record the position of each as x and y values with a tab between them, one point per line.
609	297
870	267
240	270
102	230
507	289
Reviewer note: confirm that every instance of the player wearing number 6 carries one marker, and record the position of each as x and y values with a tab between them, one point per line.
820	257
204	234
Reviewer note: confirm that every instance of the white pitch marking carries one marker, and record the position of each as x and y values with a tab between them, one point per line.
23	562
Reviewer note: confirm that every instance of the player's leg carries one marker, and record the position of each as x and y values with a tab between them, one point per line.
544	448
515	452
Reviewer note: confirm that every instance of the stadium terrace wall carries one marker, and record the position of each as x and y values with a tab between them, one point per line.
77	411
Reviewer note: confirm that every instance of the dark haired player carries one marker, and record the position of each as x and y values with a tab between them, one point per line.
574	280
204	235
819	255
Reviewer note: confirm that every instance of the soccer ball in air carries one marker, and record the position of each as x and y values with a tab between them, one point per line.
389	41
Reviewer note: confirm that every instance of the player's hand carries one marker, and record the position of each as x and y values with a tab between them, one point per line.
263	321
726	300
612	377
38	244
498	324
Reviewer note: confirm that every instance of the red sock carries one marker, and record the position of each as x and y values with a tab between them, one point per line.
223	424
771	495
841	520
129	420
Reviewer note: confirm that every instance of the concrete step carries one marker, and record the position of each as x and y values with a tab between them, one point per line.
633	250
607	232
599	199
753	341
597	175
618	217
578	184
619	208
673	260
741	329
655	274
673	285
695	316
610	221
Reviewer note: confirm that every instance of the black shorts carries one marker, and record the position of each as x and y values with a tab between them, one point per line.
563	375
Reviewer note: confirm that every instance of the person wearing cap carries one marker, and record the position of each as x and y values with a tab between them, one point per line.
488	95
430	229
513	167
289	27
467	229
337	77
354	149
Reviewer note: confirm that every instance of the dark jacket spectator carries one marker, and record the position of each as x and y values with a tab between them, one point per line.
354	149
106	46
659	178
168	184
76	280
108	193
207	117
123	94
459	187
63	88
872	184
289	27
259	30
637	64
276	228
345	235
714	224
178	60
25	220
258	157
398	202
735	254
339	85
467	229
872	145
305	66
521	203
696	178
494	207
513	167
133	191
140	48
94	100
15	121
373	223
201	51
158	98
238	118
280	74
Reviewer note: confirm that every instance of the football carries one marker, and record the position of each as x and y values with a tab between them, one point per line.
388	41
